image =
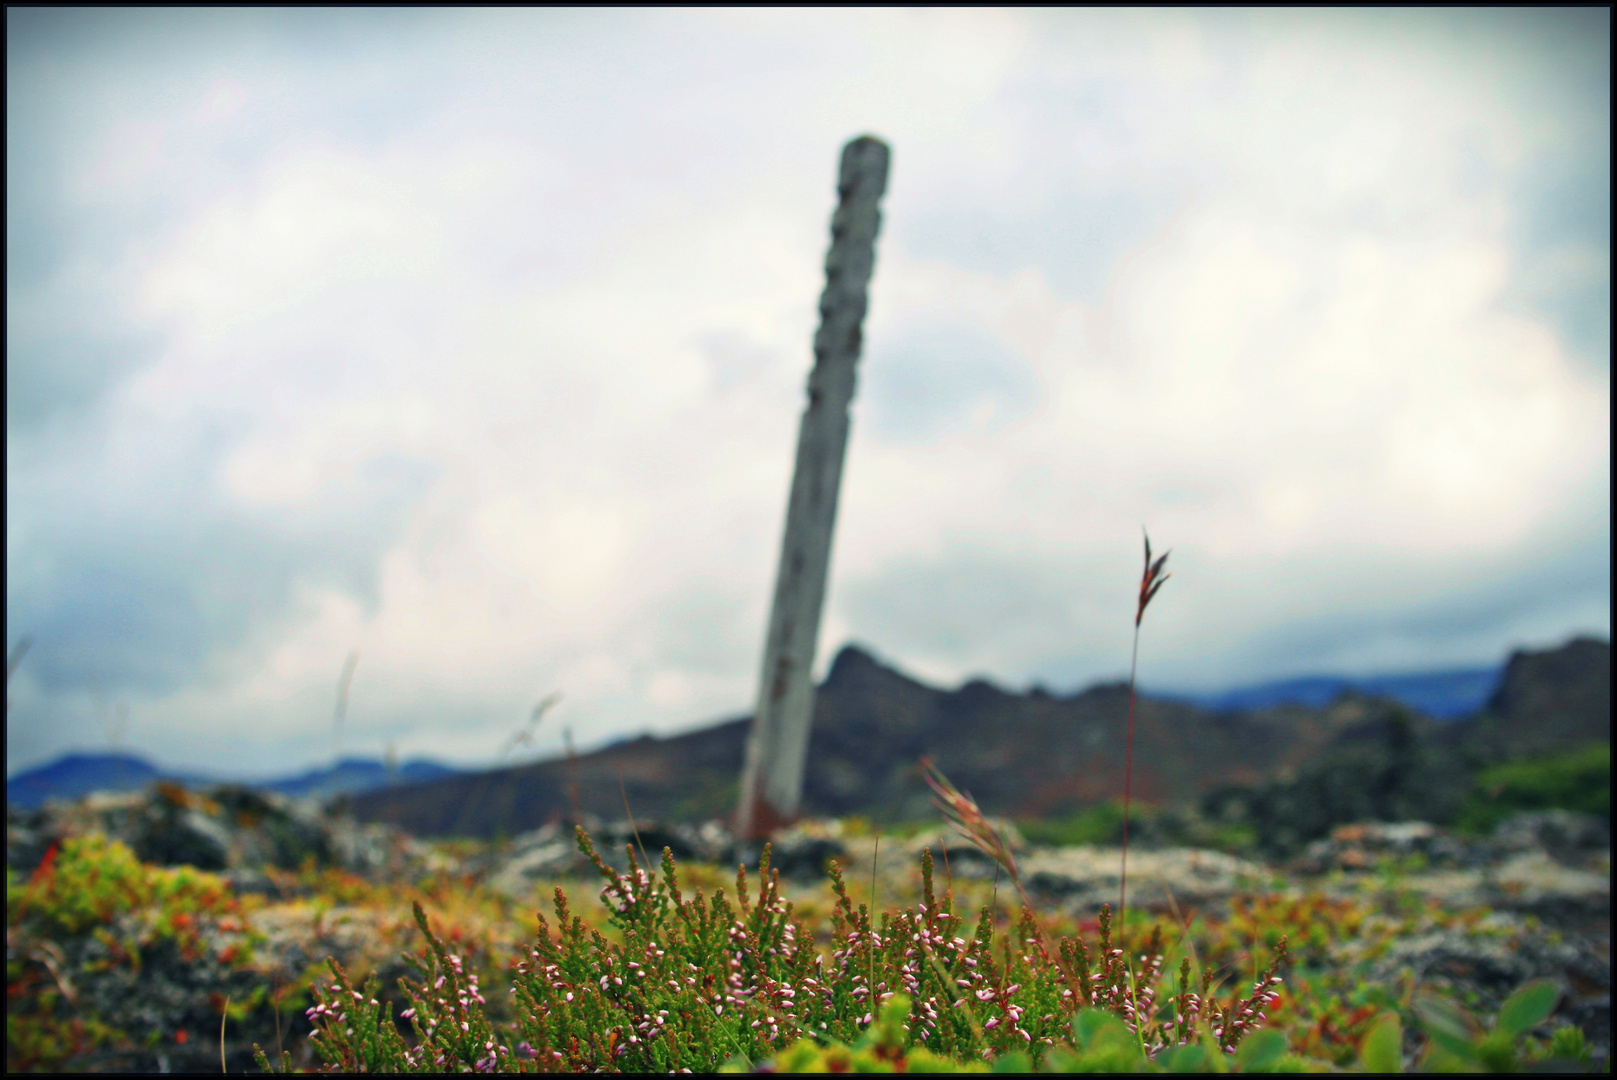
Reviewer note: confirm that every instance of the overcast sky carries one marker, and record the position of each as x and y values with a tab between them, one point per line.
475	341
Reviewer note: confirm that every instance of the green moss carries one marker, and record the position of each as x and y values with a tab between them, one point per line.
1099	824
1579	781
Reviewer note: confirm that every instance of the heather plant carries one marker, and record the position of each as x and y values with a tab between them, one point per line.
681	980
697	982
1117	984
675	979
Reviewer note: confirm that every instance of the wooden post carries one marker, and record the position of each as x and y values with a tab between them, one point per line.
772	779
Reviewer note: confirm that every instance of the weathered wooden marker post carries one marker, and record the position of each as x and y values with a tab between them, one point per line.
772	779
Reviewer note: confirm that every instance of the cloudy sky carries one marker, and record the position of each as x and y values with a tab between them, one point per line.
476	342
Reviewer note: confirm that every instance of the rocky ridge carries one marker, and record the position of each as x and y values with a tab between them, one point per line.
1293	771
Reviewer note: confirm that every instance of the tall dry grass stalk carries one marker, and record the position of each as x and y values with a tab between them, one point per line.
524	735
465	819
962	811
1150	582
342	701
572	773
12	661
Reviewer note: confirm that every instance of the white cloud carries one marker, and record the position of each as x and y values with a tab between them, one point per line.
479	345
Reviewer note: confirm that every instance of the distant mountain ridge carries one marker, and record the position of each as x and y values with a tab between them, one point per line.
1442	695
871	721
1026	755
76	775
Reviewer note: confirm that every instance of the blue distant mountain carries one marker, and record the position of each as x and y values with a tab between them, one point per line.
351	776
77	775
1443	695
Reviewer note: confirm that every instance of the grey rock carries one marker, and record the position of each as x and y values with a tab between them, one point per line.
1564	834
162	995
1086	877
802	853
1366	845
1535	883
183	835
227	827
25	846
253	883
542	854
1488	962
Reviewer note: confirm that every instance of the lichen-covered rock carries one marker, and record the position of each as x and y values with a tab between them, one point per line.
1535	883
223	828
1367	845
1085	877
1565	835
541	855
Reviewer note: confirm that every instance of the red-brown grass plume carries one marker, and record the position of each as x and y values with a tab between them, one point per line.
1150	582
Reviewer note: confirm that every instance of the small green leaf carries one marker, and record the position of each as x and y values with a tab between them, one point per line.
1014	1062
1098	1027
1383	1048
1190	1058
1568	1044
1438	1060
1528	1007
1260	1051
1497	1053
1449	1026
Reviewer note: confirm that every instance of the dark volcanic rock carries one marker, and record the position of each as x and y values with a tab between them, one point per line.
175	835
1487	966
801	853
170	995
552	851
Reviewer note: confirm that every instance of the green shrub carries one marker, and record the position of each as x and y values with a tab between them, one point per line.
1578	781
697	983
1457	1043
1099	824
711	985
